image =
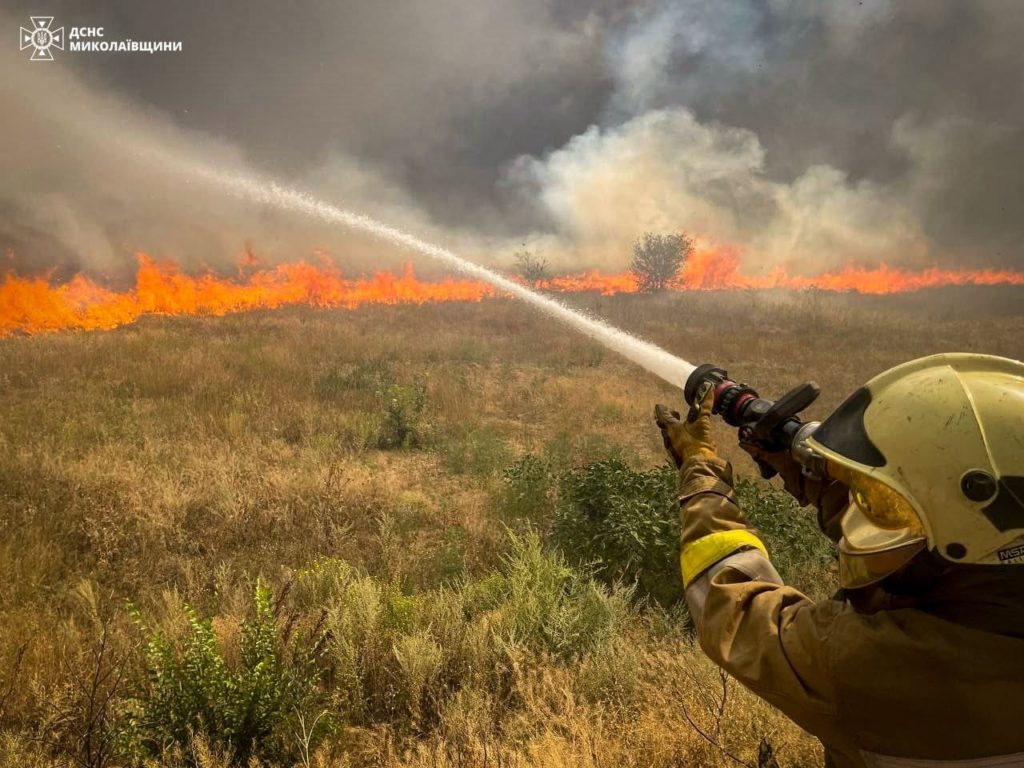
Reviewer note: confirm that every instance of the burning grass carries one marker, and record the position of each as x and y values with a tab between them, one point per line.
183	461
36	304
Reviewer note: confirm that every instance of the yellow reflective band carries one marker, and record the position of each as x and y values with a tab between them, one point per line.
697	556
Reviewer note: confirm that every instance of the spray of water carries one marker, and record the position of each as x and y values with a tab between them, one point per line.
649	356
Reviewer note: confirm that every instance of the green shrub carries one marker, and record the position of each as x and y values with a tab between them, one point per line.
622	523
546	606
401	404
402	422
241	707
399	659
658	258
798	549
527	495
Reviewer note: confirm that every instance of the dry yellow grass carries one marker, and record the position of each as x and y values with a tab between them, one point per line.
177	460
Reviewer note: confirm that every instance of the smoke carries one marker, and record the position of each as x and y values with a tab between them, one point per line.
811	135
806	134
716	47
84	189
665	171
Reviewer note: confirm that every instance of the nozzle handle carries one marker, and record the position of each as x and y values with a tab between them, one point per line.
783	409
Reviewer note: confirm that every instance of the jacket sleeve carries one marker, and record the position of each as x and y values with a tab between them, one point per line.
770	637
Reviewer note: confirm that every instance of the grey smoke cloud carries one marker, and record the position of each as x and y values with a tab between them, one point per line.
807	133
666	171
85	190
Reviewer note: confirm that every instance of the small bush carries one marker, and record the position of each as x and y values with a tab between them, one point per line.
402	425
240	707
400	659
401	404
531	267
658	258
623	524
528	492
549	607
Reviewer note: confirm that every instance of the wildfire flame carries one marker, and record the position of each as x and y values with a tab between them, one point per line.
37	304
718	270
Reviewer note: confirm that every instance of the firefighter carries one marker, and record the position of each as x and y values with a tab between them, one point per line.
919	659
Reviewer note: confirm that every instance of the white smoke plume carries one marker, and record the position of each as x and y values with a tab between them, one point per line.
806	134
81	189
665	171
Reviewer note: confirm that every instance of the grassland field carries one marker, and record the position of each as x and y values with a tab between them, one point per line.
435	535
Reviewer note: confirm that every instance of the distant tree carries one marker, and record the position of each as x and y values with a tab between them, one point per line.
531	267
658	258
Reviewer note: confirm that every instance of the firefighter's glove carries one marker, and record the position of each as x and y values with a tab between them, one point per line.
685	439
784	465
828	495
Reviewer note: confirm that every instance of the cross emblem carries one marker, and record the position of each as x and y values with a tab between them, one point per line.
41	38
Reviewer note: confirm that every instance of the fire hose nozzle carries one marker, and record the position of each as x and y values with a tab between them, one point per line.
770	424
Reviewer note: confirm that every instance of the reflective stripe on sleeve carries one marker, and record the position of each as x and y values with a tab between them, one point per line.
699	555
750	562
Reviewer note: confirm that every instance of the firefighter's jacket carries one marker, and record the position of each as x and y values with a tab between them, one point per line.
934	678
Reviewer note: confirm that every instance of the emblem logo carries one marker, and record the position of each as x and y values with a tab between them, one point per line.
41	38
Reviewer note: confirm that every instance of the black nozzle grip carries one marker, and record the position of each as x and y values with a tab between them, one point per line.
783	409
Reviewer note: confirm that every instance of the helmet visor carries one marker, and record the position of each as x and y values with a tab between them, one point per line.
884	506
881	532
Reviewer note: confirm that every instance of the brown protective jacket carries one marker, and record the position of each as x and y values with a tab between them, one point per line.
935	676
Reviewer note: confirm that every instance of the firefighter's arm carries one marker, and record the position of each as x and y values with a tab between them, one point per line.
768	636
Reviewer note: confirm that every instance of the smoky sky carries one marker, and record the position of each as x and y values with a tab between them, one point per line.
805	133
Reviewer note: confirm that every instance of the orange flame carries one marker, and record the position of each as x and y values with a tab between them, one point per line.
34	304
592	282
37	305
719	270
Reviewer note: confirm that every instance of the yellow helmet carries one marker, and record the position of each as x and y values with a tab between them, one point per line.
933	453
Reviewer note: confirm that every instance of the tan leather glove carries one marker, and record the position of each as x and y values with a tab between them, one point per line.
685	439
829	496
785	466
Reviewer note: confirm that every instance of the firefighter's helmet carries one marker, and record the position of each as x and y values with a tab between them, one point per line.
933	453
